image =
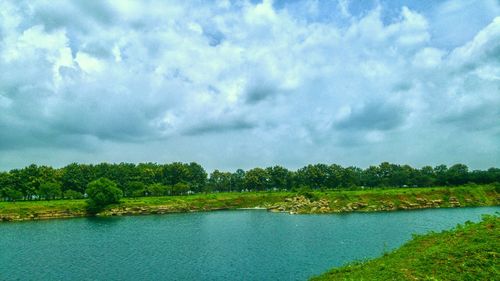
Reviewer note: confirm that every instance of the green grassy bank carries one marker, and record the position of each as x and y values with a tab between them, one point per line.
468	252
379	199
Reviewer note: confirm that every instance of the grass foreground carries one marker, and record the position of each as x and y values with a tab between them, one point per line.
467	252
369	200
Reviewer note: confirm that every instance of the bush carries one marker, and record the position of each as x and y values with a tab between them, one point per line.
101	193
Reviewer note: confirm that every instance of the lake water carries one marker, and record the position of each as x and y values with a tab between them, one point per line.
224	245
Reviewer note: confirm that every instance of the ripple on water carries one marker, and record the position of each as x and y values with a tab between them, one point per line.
223	245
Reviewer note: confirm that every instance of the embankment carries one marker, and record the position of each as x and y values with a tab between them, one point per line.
468	252
295	203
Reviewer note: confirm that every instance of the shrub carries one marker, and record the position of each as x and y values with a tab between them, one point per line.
101	193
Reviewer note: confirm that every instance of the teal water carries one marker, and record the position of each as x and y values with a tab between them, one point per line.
225	245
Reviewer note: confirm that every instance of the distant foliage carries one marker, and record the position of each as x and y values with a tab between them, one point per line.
152	179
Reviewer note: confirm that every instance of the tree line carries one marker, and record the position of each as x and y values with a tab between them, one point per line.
151	179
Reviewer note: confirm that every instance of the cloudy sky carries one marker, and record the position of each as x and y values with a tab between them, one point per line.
239	84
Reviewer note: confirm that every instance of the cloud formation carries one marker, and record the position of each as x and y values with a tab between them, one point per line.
239	84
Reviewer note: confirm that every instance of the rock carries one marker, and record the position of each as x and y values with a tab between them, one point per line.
362	204
324	210
421	200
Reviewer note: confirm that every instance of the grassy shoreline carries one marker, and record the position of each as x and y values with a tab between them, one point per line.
371	200
467	252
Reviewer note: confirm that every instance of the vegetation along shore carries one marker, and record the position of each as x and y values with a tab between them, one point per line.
467	252
378	199
40	192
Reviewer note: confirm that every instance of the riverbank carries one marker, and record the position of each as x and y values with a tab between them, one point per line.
468	252
372	200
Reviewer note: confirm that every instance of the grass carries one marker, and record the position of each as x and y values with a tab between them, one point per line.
467	252
29	207
375	199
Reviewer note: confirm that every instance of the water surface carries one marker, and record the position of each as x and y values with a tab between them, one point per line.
225	245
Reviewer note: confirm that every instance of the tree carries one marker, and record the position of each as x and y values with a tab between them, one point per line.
256	179
458	174
158	189
76	177
441	174
335	176
12	194
180	188
237	180
71	194
219	181
197	177
101	193
351	177
371	176
174	173
50	190
279	178
425	176
314	176
134	189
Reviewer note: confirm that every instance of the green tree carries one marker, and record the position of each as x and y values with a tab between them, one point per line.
134	189
181	188
372	177
12	194
219	181
351	177
458	174
314	176
425	176
237	180
71	194
149	173
174	173
50	190
77	177
256	179
101	193
197	177
279	178
158	189
441	172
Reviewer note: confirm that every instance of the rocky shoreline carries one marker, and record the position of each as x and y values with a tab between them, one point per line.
291	205
303	205
46	215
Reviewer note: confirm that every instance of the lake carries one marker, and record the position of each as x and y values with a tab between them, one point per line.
223	245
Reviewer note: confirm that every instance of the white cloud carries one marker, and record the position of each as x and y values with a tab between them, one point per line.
428	58
88	63
239	76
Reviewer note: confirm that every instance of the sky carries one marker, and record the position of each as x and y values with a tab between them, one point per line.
241	84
